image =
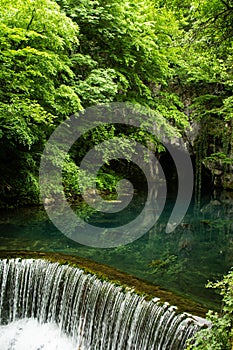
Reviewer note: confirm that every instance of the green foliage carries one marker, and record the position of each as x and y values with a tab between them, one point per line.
35	92
54	65
107	181
205	81
219	157
130	46
157	265
98	87
173	57
220	335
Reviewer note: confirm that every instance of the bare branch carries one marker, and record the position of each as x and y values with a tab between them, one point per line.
31	20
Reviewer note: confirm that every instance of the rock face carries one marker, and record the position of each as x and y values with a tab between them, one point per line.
209	136
221	170
210	143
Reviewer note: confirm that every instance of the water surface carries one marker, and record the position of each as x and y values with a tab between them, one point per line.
200	249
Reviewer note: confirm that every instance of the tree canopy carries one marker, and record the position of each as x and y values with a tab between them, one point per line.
57	58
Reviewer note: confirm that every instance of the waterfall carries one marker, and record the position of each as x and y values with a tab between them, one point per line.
97	314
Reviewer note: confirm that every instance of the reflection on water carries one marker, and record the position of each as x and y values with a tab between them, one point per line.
200	249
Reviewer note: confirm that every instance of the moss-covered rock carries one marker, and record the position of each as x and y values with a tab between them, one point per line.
104	272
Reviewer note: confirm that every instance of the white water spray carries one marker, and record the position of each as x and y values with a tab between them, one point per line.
89	314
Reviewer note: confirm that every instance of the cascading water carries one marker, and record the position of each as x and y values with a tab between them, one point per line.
95	314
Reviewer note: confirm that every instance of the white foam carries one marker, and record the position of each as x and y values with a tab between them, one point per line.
28	334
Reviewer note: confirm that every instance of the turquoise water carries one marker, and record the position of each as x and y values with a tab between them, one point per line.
200	249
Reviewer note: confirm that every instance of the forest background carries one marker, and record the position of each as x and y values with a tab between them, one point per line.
172	57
